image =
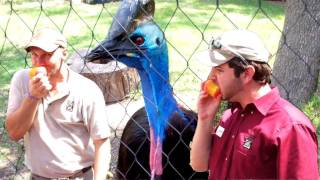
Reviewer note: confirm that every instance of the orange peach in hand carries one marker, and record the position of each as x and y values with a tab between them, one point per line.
36	70
211	88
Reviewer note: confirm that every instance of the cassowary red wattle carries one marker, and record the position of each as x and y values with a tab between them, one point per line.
161	124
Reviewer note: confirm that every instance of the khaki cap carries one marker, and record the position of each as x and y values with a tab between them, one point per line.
47	40
237	43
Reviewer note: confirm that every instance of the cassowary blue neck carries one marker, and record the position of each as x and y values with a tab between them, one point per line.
158	95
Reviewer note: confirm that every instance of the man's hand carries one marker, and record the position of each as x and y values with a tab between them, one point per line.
207	105
39	86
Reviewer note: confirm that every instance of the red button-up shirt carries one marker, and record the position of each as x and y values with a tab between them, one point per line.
270	138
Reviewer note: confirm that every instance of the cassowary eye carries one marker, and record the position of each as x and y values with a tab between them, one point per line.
138	40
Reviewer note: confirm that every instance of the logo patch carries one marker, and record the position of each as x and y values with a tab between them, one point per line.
248	142
70	105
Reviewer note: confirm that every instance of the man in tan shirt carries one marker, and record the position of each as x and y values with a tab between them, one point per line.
59	113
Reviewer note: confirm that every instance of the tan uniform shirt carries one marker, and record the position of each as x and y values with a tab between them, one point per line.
60	140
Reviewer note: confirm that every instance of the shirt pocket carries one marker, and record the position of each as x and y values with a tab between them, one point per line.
66	111
246	147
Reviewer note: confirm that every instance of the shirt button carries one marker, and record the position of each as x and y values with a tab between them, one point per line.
226	159
232	136
251	112
242	115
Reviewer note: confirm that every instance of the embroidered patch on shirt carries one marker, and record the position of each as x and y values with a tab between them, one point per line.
219	131
69	106
248	142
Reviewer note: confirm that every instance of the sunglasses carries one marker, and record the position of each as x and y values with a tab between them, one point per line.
216	44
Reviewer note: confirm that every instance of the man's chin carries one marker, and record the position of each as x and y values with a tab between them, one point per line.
52	72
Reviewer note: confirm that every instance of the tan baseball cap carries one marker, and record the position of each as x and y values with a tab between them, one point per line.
237	43
47	40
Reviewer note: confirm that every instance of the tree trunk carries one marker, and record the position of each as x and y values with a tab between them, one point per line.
296	69
114	79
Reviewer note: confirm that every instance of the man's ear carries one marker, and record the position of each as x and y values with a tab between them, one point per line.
64	53
248	73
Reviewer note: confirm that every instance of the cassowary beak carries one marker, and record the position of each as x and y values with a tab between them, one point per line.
110	51
101	54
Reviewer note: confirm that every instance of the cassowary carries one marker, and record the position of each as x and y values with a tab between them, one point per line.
161	124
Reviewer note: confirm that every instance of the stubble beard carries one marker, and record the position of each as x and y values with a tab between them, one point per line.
232	95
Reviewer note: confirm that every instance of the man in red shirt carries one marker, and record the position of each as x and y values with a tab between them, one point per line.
262	136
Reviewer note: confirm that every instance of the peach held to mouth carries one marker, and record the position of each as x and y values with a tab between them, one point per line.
211	88
36	70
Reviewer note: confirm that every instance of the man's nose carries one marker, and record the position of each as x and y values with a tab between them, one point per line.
213	74
39	62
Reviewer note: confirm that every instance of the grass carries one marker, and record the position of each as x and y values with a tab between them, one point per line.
312	109
188	27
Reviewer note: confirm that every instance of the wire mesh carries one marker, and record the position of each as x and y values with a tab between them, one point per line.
188	26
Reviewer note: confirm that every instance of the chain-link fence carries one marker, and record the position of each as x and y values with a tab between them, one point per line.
187	24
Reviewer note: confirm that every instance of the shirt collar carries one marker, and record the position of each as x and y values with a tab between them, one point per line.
234	105
264	103
65	91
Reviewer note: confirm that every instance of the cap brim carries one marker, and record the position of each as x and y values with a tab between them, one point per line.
42	45
213	58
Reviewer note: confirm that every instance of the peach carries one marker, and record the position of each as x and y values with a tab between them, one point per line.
211	88
36	70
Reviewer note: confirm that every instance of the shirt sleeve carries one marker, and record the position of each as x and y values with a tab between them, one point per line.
297	155
97	117
18	90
